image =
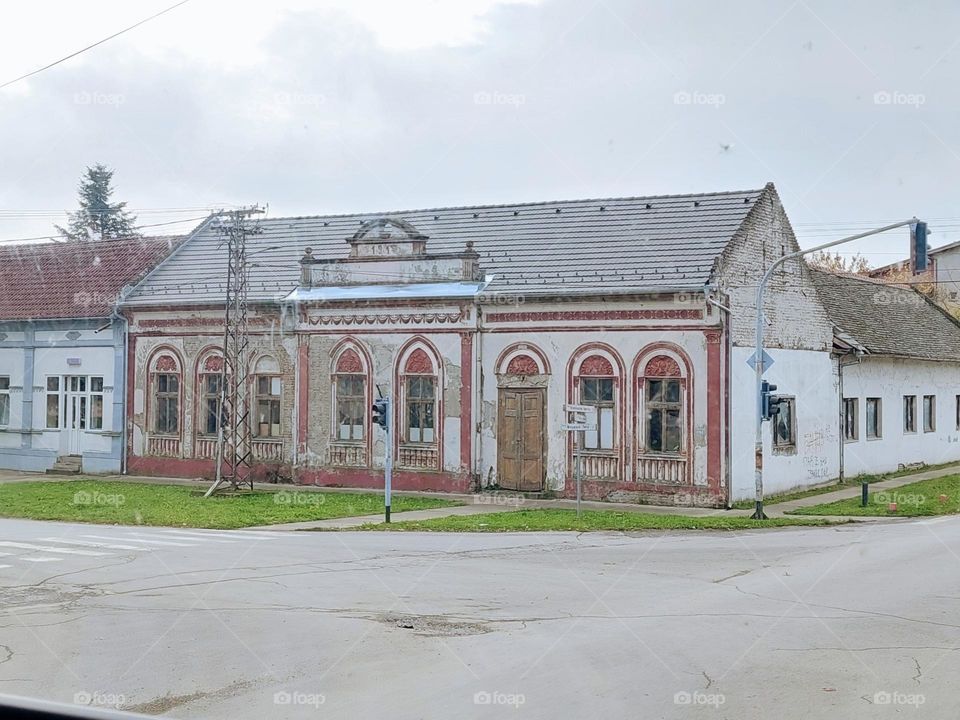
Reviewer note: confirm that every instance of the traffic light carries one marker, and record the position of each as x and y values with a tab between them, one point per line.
918	235
381	413
765	401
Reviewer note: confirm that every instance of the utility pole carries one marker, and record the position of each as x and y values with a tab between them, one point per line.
758	358
233	426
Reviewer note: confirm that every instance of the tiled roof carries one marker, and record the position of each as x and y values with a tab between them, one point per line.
640	243
73	279
887	319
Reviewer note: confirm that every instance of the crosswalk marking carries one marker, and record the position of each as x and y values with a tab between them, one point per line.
41	559
47	548
241	535
133	538
3	567
87	543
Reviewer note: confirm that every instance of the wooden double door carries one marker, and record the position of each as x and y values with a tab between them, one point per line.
521	443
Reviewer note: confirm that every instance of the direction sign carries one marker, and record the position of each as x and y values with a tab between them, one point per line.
767	361
588	409
578	426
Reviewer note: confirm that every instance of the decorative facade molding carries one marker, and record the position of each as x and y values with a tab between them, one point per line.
213	363
562	315
418	363
349	362
167	363
662	366
597	365
391	319
523	365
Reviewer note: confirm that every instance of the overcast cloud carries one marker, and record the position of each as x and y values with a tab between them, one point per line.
850	108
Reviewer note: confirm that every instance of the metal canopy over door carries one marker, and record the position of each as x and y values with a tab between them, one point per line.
75	411
520	440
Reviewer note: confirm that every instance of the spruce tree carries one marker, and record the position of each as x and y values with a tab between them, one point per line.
98	218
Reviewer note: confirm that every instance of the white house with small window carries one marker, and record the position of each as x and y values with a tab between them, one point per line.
62	351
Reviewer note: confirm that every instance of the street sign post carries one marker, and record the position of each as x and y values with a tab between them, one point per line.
585	418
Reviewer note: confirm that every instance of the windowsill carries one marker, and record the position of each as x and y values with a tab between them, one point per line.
270	439
784	449
105	433
847	441
878	437
349	443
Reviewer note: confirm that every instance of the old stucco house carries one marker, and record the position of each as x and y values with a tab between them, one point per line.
482	323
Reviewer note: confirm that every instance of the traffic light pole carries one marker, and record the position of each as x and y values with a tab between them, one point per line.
758	513
388	467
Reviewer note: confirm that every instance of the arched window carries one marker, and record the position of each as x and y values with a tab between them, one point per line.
597	382
663	398
267	389
210	385
596	373
419	399
350	396
165	376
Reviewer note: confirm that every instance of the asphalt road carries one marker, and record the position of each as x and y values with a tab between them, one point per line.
850	622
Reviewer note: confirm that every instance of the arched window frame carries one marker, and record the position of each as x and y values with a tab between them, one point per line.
349	360
600	366
659	363
208	379
165	365
410	365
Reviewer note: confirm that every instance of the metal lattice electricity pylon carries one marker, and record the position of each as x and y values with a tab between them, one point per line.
234	431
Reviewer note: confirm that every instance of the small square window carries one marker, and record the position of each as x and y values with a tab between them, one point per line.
851	419
874	418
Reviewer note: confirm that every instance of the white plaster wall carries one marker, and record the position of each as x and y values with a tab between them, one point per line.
11	364
810	377
97	361
890	379
559	347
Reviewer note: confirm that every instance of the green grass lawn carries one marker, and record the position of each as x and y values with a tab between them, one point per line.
850	482
127	503
914	500
538	520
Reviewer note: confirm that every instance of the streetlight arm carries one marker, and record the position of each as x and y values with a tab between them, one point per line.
758	358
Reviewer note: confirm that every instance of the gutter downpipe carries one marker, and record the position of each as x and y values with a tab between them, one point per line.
840	366
115	314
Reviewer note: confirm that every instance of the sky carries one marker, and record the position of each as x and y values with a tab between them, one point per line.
850	108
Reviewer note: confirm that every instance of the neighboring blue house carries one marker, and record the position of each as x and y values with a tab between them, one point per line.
62	351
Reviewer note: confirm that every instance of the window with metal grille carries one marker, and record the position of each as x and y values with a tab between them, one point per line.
909	413
599	393
929	413
4	400
851	419
874	418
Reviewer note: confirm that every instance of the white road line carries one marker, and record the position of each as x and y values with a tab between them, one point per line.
131	538
4	567
232	536
87	543
40	559
47	548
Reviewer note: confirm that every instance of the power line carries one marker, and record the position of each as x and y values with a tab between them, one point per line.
90	47
139	227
